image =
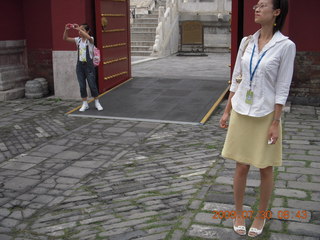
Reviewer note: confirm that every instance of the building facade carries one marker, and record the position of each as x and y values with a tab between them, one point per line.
31	43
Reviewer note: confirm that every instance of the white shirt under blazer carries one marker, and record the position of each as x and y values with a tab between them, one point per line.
272	79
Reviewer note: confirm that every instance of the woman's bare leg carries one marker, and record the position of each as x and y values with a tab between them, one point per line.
239	186
266	187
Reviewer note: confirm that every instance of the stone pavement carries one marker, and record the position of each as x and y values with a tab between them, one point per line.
76	178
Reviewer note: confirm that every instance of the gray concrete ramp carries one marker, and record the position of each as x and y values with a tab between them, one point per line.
173	89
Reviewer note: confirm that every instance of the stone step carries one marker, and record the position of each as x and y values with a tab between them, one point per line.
142	36
143	29
141	53
5	68
154	25
12	94
146	20
12	76
151	15
142	43
141	48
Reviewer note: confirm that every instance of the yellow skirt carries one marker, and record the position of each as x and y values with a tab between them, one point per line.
247	141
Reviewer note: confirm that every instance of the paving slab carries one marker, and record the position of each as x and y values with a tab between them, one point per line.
120	179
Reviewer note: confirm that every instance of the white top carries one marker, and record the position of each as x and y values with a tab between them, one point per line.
82	48
272	79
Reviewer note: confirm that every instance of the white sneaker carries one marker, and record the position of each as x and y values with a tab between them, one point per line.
98	105
84	107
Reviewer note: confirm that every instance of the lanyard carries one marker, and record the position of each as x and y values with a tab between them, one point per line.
255	69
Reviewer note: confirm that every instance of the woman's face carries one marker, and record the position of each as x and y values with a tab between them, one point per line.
83	29
264	12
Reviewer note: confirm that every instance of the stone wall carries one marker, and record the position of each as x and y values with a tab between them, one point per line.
40	65
305	87
13	69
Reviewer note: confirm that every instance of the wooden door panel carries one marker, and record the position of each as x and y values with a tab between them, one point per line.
120	51
113	7
113	39
116	67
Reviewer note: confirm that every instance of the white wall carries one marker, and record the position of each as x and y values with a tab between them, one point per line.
204	7
66	85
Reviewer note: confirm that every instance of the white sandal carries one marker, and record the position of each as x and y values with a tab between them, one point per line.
239	228
256	232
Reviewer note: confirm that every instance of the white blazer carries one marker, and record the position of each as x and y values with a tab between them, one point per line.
272	79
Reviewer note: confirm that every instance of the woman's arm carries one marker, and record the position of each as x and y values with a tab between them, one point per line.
283	83
65	35
226	113
86	35
273	133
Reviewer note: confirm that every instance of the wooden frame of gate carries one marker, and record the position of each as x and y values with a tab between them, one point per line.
113	40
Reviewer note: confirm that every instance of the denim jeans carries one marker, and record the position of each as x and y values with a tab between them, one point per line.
86	73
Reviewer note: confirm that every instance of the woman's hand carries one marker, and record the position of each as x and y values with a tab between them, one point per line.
223	120
65	33
67	27
273	133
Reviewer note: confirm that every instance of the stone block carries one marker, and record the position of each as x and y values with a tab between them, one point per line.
12	77
5	237
281	236
306	229
305	157
276	225
229	180
315	165
277	202
69	155
19	183
12	94
33	89
129	235
291	214
304	185
15	165
290	193
195	204
295	163
9	222
44	84
315	196
177	235
75	172
211	232
304	205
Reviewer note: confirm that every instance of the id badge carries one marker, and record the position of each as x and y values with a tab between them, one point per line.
249	97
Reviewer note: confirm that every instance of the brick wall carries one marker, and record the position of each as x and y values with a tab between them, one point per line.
305	87
40	65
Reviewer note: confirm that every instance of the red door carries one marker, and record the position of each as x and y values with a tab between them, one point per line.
113	40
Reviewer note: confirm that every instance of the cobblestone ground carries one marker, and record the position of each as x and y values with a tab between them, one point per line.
25	124
75	178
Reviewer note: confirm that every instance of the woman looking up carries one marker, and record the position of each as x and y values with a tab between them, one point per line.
254	138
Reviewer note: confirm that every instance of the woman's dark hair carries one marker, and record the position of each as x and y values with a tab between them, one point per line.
283	5
86	27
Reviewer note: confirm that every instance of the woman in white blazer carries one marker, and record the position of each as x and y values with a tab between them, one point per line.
265	61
